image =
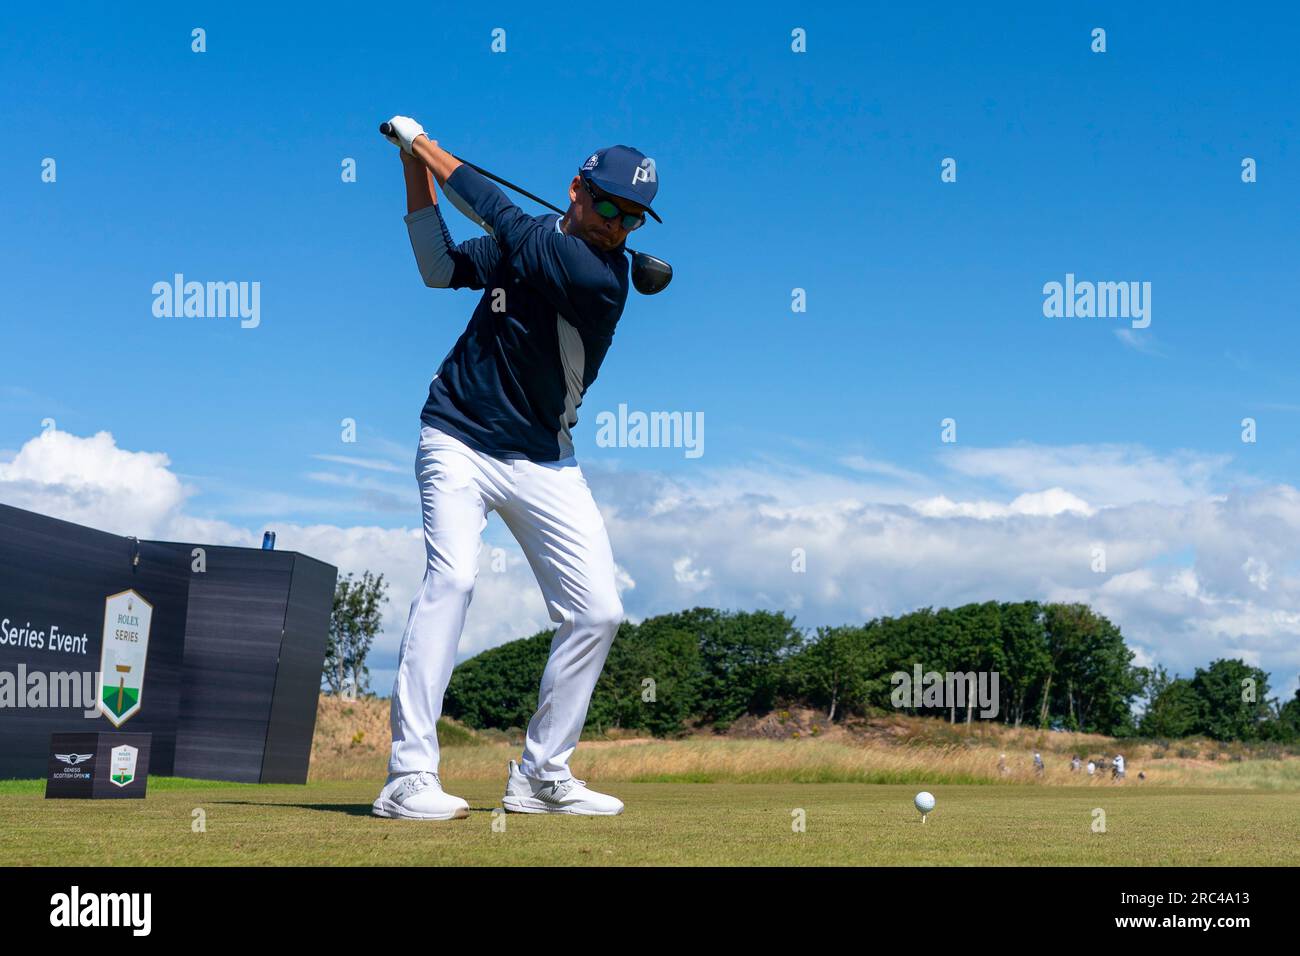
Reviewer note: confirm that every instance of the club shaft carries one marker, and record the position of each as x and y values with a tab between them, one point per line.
387	130
509	185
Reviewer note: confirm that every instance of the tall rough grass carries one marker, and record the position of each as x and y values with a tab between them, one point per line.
352	743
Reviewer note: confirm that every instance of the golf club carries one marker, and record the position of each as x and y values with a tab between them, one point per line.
650	274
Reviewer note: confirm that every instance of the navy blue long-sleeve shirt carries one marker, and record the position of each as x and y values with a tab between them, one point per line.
512	383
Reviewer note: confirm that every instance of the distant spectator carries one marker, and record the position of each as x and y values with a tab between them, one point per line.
1142	774
1118	772
1002	765
1038	763
1075	764
1092	767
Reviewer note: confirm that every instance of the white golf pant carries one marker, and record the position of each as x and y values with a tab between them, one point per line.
549	509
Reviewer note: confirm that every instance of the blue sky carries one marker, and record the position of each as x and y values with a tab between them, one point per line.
778	170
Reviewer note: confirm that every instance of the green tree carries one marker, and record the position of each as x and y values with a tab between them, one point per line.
906	641
1104	680
651	680
1172	707
354	621
972	642
1232	696
1027	658
1092	683
498	688
841	670
1284	726
743	659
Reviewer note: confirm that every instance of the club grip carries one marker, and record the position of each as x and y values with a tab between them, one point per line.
386	129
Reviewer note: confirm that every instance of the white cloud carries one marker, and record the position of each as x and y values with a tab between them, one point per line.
92	481
1103	475
506	605
1178	578
372	464
1143	342
1053	501
873	466
1257	572
1198	566
690	577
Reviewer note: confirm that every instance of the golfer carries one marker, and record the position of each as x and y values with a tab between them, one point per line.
495	435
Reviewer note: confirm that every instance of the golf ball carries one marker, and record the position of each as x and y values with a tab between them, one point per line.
924	801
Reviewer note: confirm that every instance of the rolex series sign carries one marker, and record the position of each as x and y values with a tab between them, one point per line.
121	662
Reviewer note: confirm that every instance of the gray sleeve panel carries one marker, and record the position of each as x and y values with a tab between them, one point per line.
432	246
465	208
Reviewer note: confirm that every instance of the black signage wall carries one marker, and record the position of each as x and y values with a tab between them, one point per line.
254	647
233	661
55	577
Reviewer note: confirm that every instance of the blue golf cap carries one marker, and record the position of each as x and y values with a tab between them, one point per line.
626	173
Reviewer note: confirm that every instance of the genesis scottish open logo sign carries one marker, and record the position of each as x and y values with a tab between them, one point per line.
121	662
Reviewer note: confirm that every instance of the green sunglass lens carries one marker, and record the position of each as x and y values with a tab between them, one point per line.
608	210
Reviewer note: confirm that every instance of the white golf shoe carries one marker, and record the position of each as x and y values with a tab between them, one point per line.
525	795
418	796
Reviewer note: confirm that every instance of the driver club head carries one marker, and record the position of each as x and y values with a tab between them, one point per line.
650	274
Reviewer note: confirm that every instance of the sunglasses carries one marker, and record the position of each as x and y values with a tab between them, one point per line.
606	209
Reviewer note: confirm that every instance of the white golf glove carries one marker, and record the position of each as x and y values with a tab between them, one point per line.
406	131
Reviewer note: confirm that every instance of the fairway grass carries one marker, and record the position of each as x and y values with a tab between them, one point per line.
329	823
